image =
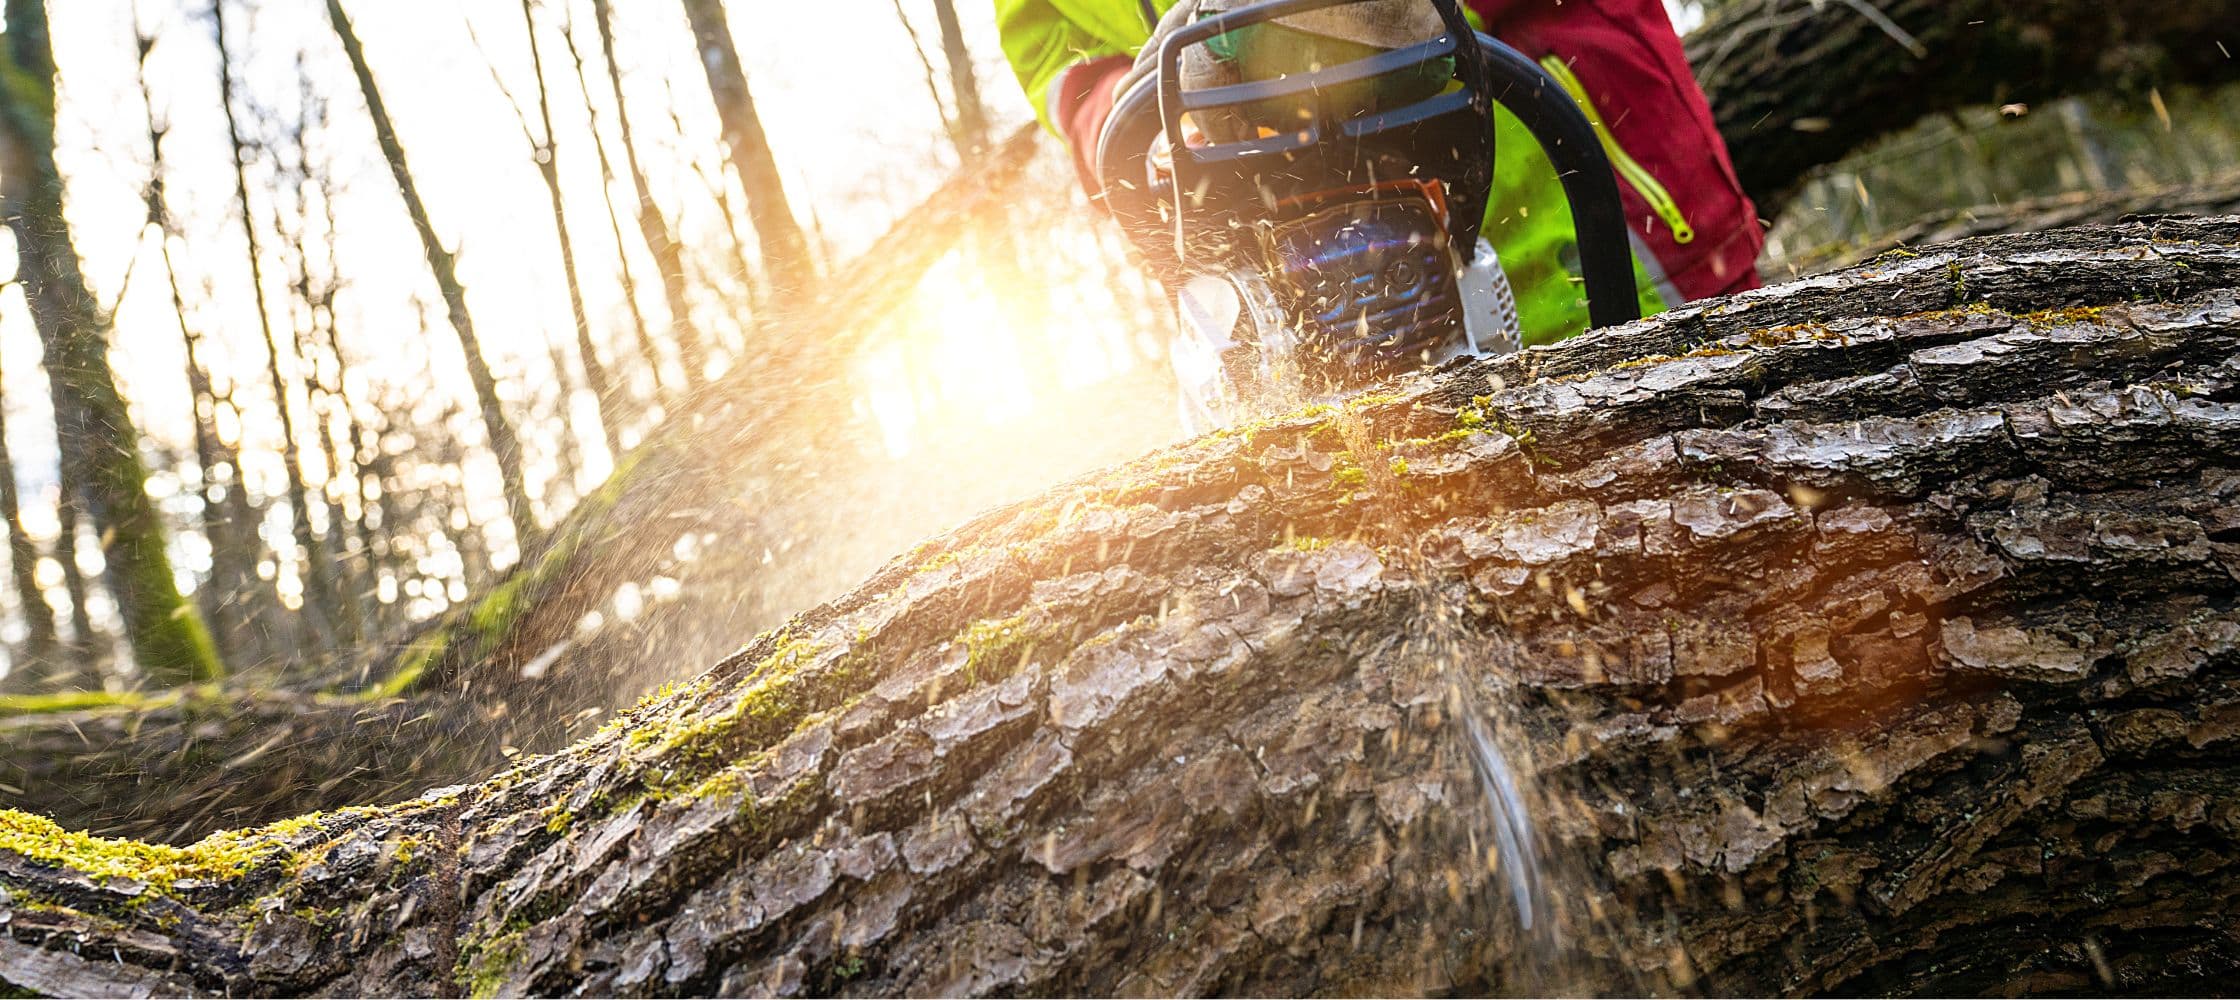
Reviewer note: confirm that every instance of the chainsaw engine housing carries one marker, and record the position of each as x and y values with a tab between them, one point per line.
1358	220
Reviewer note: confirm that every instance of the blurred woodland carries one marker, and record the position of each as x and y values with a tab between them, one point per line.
391	389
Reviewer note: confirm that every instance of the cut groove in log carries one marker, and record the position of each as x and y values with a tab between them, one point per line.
1872	632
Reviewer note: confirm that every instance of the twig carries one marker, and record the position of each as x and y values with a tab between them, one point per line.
1889	27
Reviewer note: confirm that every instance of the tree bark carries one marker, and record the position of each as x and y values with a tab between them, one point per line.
94	427
504	446
785	250
1795	84
1873	633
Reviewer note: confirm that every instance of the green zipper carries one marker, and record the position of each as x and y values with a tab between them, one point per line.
1660	200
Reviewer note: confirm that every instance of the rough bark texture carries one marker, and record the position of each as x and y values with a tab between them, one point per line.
1874	632
1796	84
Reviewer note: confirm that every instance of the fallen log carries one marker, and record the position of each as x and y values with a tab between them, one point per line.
1872	632
1796	84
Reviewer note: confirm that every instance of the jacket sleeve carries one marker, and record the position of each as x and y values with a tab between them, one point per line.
1042	41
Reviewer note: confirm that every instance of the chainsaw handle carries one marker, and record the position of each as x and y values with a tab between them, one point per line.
1590	183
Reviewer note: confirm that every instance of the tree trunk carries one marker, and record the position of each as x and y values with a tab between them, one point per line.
503	444
785	251
2216	196
668	254
322	601
649	355
547	157
230	593
1867	634
85	643
42	643
1795	84
169	642
964	85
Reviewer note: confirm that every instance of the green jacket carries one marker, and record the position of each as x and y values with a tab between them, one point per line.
1528	220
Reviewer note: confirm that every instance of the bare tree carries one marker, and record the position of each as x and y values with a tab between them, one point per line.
504	446
321	601
785	249
42	643
230	597
647	353
94	427
964	86
545	151
661	240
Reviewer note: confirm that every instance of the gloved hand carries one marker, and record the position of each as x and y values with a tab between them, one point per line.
1080	105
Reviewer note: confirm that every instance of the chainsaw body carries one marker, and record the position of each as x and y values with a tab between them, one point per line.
1314	251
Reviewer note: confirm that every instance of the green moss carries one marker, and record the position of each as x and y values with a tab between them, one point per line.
996	648
1349	474
76	701
2046	319
217	857
1301	543
417	658
483	965
781	692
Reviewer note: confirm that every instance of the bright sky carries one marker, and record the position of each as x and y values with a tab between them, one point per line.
840	90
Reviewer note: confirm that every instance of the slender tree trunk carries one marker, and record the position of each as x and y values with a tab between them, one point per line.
668	254
42	644
933	86
785	250
1867	635
231	584
95	427
503	444
647	353
547	155
229	596
321	602
964	86
69	505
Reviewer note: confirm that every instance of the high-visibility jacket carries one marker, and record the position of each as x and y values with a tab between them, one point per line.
1695	233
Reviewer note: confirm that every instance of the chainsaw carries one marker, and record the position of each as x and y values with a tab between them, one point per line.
1311	242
